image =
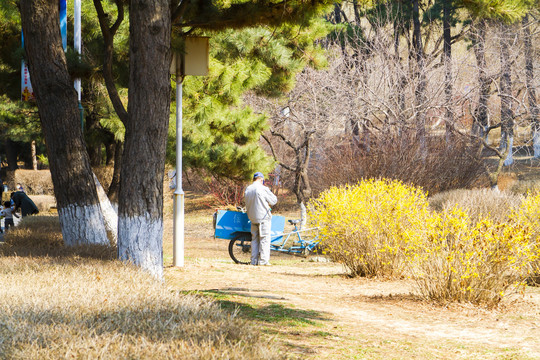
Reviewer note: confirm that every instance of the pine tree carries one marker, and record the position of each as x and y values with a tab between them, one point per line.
221	134
19	124
141	190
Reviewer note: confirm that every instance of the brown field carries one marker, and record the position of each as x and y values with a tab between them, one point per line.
58	304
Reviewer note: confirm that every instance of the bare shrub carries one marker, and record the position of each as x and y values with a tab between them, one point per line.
398	157
44	203
36	182
226	192
479	203
524	187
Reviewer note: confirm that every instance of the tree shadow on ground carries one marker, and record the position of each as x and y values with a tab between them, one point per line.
269	313
290	324
59	252
343	275
391	298
41	236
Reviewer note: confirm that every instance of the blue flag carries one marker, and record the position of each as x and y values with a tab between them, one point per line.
63	23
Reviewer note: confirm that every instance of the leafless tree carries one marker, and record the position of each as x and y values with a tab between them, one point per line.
378	96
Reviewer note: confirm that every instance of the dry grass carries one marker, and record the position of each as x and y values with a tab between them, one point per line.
478	202
35	182
44	203
524	187
58	303
41	236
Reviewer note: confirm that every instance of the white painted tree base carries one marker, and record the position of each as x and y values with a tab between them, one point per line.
536	144
510	157
110	215
303	215
140	241
82	225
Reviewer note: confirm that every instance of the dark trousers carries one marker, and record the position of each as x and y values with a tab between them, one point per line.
8	223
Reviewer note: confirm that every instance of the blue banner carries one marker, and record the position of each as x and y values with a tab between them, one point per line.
63	23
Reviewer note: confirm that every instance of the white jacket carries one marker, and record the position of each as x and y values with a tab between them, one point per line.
258	199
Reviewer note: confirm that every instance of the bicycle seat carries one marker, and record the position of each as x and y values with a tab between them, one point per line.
292	222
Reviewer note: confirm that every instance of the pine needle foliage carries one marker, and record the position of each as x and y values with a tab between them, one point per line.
237	14
505	10
221	134
10	53
18	120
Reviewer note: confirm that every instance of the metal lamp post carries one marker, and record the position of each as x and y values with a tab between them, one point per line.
193	61
178	229
77	42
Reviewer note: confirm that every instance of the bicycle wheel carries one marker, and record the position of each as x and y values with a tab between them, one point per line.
240	249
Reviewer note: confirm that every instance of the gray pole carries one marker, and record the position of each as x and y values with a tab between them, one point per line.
77	42
178	230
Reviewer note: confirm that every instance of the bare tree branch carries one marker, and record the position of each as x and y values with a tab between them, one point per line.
108	39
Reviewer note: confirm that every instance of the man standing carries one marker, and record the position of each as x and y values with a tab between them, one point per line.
258	201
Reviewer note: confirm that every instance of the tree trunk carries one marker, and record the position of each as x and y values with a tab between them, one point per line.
110	155
337	13
302	187
448	79
79	211
34	155
93	141
114	187
507	116
303	215
480	116
534	110
401	77
140	224
420	76
357	17
11	155
108	47
110	216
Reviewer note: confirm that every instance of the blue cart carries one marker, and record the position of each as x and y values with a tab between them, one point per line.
236	227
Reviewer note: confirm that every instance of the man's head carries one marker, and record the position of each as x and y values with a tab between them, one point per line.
258	176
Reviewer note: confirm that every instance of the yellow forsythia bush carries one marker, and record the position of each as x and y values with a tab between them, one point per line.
371	227
528	214
385	228
477	262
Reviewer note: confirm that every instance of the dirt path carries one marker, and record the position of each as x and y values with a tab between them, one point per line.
345	318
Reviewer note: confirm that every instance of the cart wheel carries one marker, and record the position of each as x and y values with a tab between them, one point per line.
240	249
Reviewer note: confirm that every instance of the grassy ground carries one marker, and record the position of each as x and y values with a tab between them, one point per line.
58	303
312	310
